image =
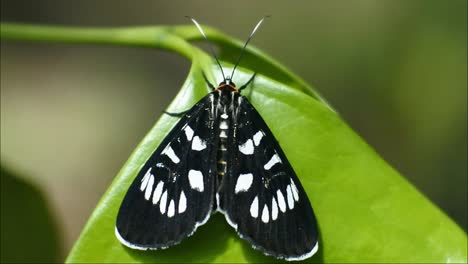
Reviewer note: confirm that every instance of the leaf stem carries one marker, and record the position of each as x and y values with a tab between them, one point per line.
144	36
173	38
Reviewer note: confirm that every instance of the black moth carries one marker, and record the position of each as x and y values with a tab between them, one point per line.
221	156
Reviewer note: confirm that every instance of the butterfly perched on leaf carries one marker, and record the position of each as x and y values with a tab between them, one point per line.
220	156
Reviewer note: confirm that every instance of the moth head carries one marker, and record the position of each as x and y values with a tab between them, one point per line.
227	85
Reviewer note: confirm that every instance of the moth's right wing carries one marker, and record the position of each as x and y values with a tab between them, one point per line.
174	191
261	196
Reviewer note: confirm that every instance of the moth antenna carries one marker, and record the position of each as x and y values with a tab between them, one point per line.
209	44
247	42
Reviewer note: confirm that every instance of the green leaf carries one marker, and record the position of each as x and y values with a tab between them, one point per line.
28	229
366	211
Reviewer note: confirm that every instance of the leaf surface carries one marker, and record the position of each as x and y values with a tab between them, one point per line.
366	211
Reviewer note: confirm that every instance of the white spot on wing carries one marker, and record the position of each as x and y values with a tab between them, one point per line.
196	180
265	214
157	192
145	180
274	209
244	182
247	148
188	132
149	187
290	197
295	192
254	208
168	151
182	202
257	138
274	159
281	201
162	205
198	144
171	209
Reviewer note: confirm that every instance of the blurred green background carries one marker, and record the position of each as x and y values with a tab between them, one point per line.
396	71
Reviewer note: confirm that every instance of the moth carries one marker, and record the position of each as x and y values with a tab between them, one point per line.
220	156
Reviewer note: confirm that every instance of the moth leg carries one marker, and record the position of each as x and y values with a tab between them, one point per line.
208	82
179	114
247	83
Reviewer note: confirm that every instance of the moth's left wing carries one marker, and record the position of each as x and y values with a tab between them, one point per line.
174	191
261	195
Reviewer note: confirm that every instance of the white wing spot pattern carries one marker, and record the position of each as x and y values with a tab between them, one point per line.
290	197
198	144
265	214
257	138
188	132
254	208
196	180
244	181
157	192
168	151
274	209
274	159
149	187
294	191
281	201
162	205
247	148
171	209
145	180
182	202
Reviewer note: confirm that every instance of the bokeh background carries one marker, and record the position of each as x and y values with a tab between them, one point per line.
395	70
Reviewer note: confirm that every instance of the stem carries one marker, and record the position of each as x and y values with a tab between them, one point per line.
145	36
173	38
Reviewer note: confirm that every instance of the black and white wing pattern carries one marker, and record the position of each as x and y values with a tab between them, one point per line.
174	191
261	195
